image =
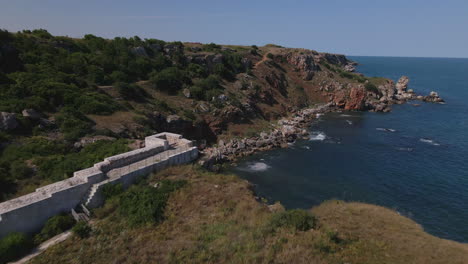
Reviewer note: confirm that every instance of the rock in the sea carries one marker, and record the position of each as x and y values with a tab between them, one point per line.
402	84
433	97
8	121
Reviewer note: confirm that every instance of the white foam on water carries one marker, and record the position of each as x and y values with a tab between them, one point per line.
258	166
317	136
349	122
429	141
345	115
318	115
385	129
306	147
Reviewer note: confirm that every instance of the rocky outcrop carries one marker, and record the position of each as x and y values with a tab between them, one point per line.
402	85
305	63
433	97
8	121
350	97
278	82
397	94
336	59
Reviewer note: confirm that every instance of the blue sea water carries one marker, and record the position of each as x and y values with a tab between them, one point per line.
414	159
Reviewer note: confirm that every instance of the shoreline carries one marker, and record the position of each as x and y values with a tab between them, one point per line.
286	131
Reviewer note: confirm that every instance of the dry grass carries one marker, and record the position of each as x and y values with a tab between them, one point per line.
216	219
384	236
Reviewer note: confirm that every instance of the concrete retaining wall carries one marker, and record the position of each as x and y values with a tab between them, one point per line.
28	213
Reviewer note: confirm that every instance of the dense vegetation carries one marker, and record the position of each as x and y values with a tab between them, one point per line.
53	160
64	80
46	73
13	246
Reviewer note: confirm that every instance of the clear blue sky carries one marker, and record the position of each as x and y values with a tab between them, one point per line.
426	28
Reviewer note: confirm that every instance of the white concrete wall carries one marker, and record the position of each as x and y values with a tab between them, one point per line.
28	213
129	174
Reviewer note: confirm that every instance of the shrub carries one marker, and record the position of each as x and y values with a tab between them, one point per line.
145	204
14	246
96	103
61	166
73	124
270	56
19	170
54	226
300	220
170	79
131	91
82	229
346	75
197	71
223	71
372	88
112	190
207	88
118	76
211	47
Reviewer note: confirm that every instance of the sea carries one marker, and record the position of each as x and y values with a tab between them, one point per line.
413	159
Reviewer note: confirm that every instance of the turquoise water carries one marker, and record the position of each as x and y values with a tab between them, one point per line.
414	159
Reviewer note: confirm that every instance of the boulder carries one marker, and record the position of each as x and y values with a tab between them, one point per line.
186	92
31	114
8	121
172	118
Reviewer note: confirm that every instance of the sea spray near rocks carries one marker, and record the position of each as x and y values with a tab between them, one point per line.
317	136
256	166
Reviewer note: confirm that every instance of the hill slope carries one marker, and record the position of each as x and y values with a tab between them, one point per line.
216	219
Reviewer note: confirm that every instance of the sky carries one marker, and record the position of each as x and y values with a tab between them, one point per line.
413	28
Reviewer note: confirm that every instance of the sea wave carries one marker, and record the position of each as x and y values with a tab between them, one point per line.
349	122
317	136
429	141
256	166
385	129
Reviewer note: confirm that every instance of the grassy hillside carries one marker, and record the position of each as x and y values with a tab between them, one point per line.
216	218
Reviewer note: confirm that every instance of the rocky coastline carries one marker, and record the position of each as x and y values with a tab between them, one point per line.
287	130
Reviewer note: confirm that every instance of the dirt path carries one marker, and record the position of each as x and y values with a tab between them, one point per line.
42	247
264	58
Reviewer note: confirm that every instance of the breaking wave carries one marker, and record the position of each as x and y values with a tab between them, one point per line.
429	141
317	136
256	166
385	129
